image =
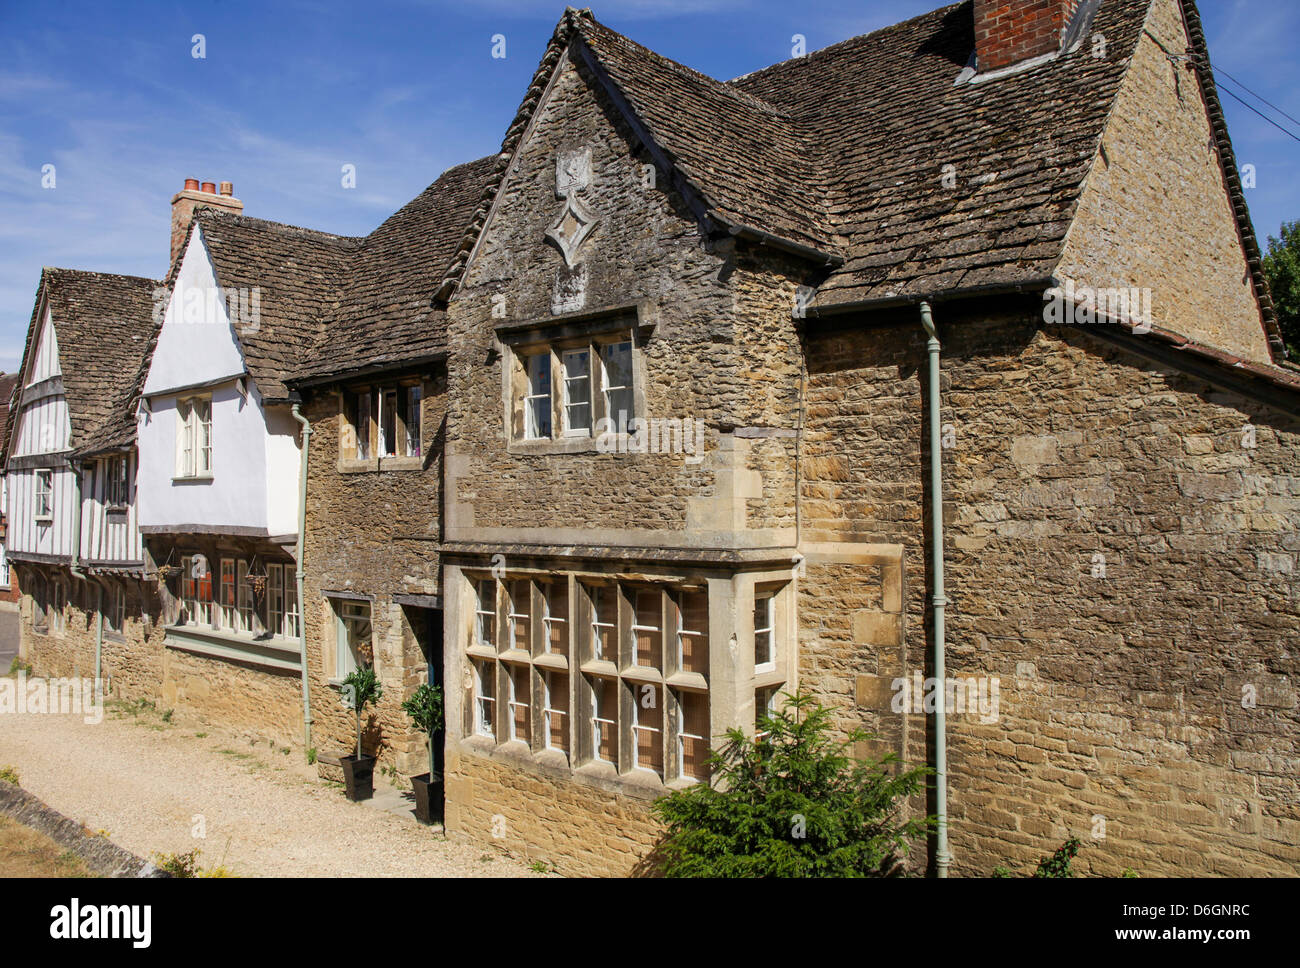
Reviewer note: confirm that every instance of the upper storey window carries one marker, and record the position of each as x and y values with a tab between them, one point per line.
194	437
381	422
570	385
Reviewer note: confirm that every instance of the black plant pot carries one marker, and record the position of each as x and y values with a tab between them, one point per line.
428	798
359	776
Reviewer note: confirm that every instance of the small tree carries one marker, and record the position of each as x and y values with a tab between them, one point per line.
1282	268
425	709
790	804
361	688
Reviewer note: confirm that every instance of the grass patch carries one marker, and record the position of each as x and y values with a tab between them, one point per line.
25	852
10	775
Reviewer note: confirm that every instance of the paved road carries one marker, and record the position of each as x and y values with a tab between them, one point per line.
8	639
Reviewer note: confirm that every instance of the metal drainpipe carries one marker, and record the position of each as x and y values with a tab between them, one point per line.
302	605
942	858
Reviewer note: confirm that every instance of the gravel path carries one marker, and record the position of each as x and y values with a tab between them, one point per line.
144	782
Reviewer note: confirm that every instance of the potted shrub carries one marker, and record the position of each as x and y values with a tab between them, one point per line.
360	688
425	709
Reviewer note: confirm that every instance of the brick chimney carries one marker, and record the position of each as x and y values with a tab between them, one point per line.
1010	31
194	196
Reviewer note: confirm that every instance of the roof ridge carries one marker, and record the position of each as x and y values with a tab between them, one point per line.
791	62
96	274
722	87
252	221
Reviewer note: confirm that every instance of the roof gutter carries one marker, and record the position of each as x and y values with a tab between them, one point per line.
1041	284
306	383
828	259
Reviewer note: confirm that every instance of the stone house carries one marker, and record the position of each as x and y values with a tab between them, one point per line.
933	373
1116	504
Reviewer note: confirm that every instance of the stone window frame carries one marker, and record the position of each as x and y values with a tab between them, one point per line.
116	611
339	603
555	337
349	459
57	615
578	668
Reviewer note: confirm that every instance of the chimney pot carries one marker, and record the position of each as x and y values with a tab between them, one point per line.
186	201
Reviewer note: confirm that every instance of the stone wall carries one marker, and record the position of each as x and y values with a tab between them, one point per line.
718	345
1119	557
138	665
1155	212
373	533
583	828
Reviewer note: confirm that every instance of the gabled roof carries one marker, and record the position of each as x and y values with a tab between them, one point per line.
889	119
298	275
104	325
7	384
872	158
332	304
386	312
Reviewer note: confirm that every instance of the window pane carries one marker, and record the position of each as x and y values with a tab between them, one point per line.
485	694
649	637
275	599
557	711
520	597
485	615
647	727
556	595
604	720
538	404
617	360
228	620
414	398
693	734
604	617
520	699
763	613
361	423
577	390
388	423
245	599
693	634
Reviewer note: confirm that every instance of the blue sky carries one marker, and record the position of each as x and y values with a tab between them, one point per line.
288	93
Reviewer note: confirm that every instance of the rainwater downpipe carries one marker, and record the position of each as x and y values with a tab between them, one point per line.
302	605
942	858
